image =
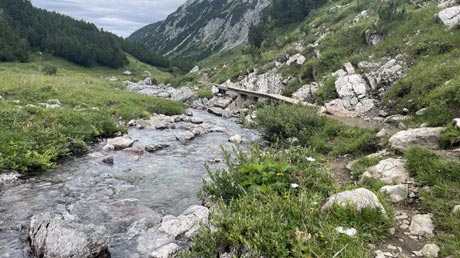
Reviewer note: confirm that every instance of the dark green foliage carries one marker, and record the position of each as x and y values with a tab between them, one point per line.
320	133
327	92
12	46
73	40
49	70
257	34
284	12
392	10
450	137
259	213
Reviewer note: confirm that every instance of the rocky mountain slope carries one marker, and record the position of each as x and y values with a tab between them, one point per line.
202	27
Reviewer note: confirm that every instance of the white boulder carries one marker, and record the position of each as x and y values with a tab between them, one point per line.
422	225
358	199
450	16
426	137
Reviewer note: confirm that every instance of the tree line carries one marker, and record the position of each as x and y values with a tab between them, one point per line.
24	28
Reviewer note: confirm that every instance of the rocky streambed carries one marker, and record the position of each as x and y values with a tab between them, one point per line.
143	204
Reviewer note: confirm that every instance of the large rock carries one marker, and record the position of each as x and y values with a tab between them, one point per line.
269	82
351	85
8	179
217	111
307	92
358	199
450	16
182	94
297	59
396	193
425	137
390	171
120	143
422	224
428	251
51	236
162	241
185	136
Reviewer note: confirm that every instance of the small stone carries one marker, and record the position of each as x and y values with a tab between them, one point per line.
108	147
456	122
392	247
196	120
422	224
382	133
108	160
429	251
405	111
140	127
396	193
404	226
456	209
155	147
188	113
351	232
132	123
236	139
161	126
391	231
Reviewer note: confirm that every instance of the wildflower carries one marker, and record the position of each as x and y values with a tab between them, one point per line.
279	174
295	186
285	196
311	159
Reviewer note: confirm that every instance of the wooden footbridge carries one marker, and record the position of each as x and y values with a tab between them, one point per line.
260	95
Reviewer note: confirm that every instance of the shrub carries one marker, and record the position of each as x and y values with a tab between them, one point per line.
49	70
283	121
271	218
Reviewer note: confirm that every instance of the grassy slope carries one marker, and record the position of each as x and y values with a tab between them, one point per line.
32	137
432	81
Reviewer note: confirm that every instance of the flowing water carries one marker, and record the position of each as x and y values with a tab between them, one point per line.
86	189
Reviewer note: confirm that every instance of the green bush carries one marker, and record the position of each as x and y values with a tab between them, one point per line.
284	121
267	216
49	70
204	93
327	92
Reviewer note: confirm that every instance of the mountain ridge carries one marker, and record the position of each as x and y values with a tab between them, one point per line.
200	28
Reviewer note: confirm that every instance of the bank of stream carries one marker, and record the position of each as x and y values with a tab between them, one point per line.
116	196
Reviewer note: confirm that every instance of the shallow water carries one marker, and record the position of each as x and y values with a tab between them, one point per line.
86	189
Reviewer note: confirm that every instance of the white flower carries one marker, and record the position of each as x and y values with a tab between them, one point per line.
311	159
294	186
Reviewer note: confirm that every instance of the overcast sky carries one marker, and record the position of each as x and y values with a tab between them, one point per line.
121	17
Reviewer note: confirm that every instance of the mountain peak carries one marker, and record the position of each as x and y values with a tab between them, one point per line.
200	28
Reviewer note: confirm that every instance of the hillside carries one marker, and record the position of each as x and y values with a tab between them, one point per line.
27	28
200	28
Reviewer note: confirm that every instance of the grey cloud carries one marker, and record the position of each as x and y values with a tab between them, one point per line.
121	17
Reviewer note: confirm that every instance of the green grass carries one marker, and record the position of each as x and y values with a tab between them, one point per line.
443	176
258	213
324	135
33	138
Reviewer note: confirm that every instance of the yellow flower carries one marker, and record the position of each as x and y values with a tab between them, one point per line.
279	174
285	196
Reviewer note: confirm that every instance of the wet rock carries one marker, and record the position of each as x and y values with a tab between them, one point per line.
9	179
121	143
425	137
185	226
161	126
429	251
172	230
237	139
358	199
108	147
51	236
132	123
217	111
396	193
156	147
196	120
390	171
182	94
185	136
108	160
221	102
189	113
134	150
450	16
351	232
422	224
